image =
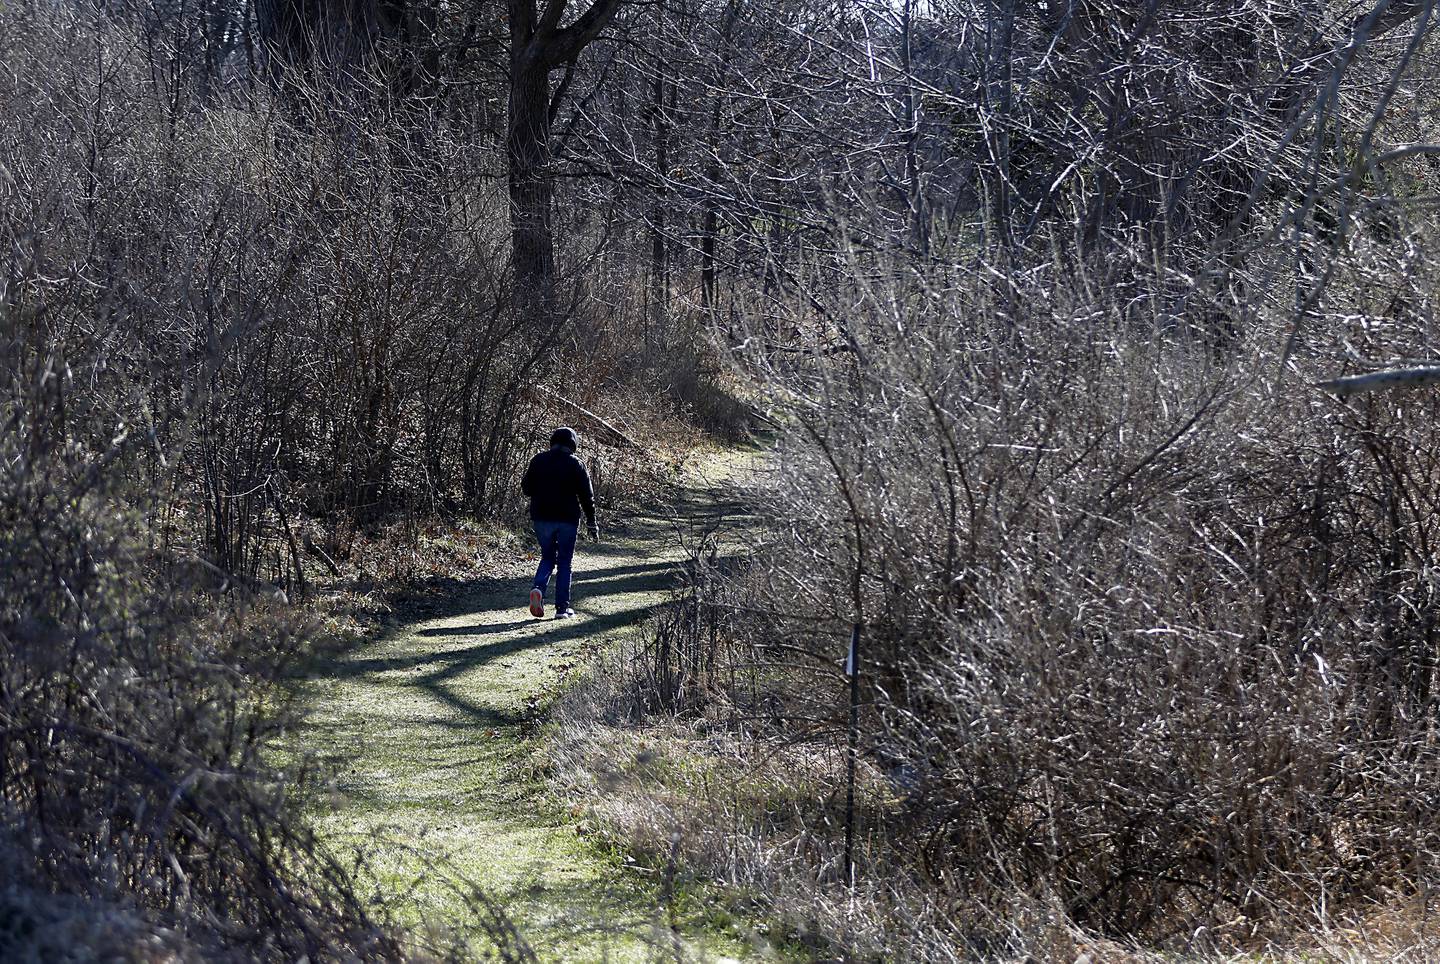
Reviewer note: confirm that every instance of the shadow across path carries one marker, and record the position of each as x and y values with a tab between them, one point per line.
438	670
431	727
547	632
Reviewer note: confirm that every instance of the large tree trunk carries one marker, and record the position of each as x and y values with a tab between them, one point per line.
538	45
528	152
659	320
710	219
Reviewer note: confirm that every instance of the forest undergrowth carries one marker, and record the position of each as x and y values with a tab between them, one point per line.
1044	305
1125	694
235	427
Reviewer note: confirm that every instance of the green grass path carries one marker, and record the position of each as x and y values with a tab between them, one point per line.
430	729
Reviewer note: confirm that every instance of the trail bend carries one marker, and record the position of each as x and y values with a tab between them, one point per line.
431	728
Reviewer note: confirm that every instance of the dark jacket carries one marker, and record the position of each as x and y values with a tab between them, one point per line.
558	487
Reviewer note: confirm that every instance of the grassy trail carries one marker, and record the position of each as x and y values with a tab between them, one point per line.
431	727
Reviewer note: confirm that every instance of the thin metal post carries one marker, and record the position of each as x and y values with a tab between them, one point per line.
852	670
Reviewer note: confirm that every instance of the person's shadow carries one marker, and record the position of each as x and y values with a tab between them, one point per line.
436	670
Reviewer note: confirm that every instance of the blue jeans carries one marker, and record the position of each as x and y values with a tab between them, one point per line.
557	548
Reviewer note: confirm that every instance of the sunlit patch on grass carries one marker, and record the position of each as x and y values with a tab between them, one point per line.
439	766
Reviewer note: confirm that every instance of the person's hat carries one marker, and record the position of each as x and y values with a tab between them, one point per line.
566	437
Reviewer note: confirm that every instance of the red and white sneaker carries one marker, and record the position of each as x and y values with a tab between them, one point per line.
537	603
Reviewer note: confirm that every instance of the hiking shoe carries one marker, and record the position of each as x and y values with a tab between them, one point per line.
565	613
537	603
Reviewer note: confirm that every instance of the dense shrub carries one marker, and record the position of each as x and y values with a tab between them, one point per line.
220	332
139	717
1151	634
1147	631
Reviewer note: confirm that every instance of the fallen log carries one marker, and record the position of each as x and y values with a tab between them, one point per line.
606	428
1382	381
321	554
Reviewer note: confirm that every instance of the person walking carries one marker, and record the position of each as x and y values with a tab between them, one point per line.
559	488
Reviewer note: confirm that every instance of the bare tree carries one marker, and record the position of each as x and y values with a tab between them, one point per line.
541	42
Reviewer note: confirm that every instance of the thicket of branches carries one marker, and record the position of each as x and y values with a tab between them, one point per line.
1034	292
256	297
1147	621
